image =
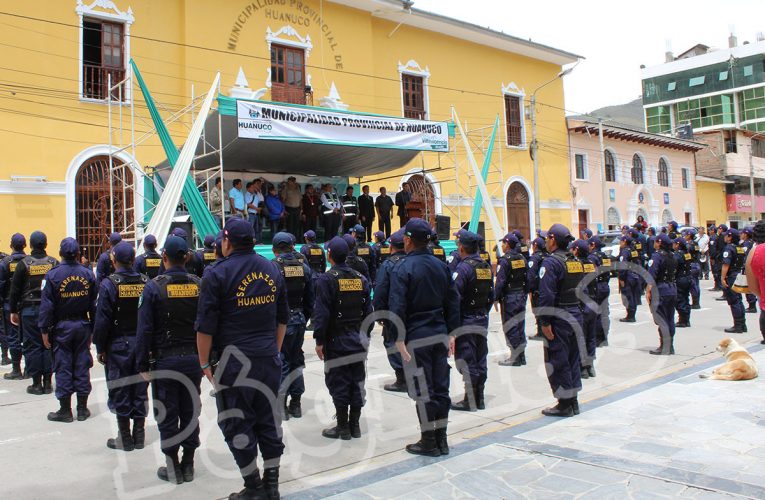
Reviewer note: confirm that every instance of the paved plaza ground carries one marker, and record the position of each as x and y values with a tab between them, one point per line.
649	428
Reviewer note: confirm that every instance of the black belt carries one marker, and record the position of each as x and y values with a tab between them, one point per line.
513	289
74	317
181	350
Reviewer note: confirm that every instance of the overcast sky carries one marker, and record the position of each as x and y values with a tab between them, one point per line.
615	37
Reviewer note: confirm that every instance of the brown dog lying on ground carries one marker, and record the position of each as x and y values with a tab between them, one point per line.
739	366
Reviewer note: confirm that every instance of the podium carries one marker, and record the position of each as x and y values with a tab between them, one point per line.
415	209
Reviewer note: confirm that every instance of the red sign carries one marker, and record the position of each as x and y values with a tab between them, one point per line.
743	203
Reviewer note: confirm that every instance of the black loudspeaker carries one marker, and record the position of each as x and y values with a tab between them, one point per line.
481	227
443	227
186	226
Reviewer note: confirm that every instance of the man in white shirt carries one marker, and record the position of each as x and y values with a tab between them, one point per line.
253	199
236	200
330	206
703	243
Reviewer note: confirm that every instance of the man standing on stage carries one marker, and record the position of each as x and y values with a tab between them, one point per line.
384	206
366	211
292	200
403	197
350	209
331	207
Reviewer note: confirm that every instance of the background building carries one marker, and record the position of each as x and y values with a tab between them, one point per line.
372	56
718	96
639	174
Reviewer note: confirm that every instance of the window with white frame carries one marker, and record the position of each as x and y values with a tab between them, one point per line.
663	173
414	90
515	122
580	161
637	169
686	178
104	50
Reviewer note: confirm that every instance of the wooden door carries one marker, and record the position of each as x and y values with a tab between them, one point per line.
518	209
422	191
582	221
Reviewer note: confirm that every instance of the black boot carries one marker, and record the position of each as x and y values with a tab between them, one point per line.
751	309
187	465
82	407
5	360
64	414
253	489
584	373
139	433
441	441
480	401
36	388
172	472
664	349
628	319
399	385
575	406
353	422
47	383
465	404
15	373
123	441
294	408
271	482
739	326
426	446
591	373
696	306
284	410
683	321
564	408
341	430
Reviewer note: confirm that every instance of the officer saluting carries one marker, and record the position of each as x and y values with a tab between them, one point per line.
382	292
313	253
243	313
7	269
300	297
473	281
26	289
510	292
165	336
561	319
67	303
149	261
206	255
104	266
342	303
662	269
423	295
114	335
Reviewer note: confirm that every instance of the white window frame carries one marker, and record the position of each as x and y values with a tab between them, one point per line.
669	171
687	176
512	90
100	9
296	41
616	165
413	68
585	166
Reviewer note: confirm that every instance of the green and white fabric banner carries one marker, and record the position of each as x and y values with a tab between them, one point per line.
258	120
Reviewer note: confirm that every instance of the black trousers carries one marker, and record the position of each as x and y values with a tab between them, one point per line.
384	226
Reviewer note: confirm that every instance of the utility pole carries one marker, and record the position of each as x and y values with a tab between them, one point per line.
603	177
535	157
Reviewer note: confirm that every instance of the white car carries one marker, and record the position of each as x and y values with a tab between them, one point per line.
611	242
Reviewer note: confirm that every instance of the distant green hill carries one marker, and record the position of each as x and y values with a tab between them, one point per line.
629	115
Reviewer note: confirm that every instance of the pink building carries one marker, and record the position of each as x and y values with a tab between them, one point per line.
639	173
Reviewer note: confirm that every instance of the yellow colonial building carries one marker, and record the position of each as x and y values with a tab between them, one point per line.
75	155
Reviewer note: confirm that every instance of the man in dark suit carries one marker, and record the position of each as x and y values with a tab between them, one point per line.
402	198
366	211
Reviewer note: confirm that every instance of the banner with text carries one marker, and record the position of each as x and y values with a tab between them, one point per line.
285	123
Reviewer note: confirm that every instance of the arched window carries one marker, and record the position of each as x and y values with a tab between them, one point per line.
666	216
637	169
663	175
423	192
610	166
612	218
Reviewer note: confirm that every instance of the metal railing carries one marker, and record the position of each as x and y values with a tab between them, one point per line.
95	82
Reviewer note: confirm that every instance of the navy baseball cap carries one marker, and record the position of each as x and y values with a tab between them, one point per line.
350	241
672	223
587	232
418	228
625	227
626	238
652	228
664	239
123	252
559	232
594	240
175	247
723	227
732	232
680	243
238	231
179	232
150	240
338	249
518	235
282	238
633	233
69	248
379	235
747	231
209	240
510	239
115	238
358	228
310	235
18	241
38	239
459	232
539	242
397	239
469	238
582	246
